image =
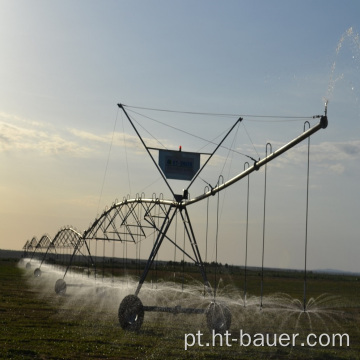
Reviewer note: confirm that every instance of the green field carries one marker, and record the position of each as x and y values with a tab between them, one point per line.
35	323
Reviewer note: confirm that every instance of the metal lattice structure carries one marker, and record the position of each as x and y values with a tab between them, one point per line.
123	223
44	242
65	238
26	248
30	247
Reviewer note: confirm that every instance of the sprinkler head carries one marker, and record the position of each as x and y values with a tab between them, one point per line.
324	122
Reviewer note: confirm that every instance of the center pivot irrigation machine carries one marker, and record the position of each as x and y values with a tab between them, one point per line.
132	220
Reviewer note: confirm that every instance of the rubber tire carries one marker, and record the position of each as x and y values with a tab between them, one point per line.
60	287
37	272
218	318
131	313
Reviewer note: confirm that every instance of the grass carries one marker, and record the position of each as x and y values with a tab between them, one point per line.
37	324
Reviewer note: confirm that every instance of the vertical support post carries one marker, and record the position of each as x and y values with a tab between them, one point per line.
183	260
175	237
103	262
246	233
96	243
263	244
307	214
207	231
113	262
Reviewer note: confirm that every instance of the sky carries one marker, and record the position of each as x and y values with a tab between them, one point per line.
67	150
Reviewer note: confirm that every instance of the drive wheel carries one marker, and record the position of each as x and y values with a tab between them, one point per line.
60	287
37	272
131	313
218	317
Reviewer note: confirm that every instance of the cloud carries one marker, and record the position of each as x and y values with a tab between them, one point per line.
17	134
89	136
14	118
333	156
337	168
15	137
120	139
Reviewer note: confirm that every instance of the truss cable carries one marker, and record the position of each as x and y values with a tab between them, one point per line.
147	150
88	259
140	217
137	271
246	233
147	131
154	264
176	223
107	161
306	215
230	149
216	243
206	232
230	164
179	112
113	263
183	260
169	126
155	181
263	243
277	118
126	157
251	140
137	242
157	253
290	118
123	251
96	259
211	155
221	135
103	262
187	133
126	259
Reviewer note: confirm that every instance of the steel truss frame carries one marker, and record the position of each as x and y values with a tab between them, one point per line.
122	222
119	221
65	238
131	310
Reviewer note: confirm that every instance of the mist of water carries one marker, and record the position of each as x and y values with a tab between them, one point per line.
352	39
99	300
